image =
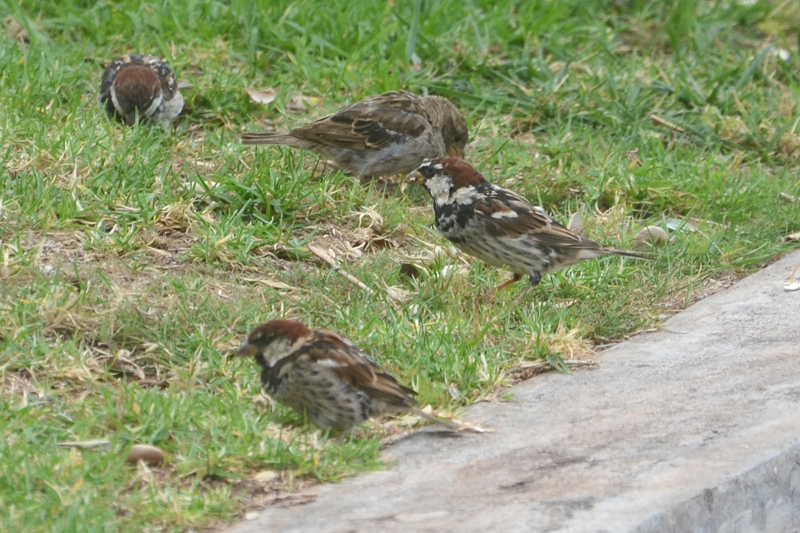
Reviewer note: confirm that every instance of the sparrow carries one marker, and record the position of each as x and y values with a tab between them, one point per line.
138	85
500	227
391	133
325	376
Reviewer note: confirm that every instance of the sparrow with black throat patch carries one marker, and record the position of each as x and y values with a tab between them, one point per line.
326	377
500	227
391	133
140	86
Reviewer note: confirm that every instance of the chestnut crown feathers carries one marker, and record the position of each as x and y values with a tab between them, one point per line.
278	329
462	173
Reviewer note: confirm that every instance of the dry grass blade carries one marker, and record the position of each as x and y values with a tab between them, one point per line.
325	256
87	444
666	123
792	284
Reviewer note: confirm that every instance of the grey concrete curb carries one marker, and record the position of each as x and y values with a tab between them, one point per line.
695	427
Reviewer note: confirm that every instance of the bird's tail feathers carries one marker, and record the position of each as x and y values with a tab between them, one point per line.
283	138
625	253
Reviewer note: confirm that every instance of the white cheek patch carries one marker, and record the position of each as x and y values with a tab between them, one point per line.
464	195
281	348
439	187
115	101
154	105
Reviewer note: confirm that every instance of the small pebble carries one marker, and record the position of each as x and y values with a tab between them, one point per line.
265	476
651	235
144	452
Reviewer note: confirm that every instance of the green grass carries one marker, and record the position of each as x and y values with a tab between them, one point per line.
135	260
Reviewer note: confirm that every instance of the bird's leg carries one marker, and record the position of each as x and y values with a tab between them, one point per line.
345	435
511	281
535	279
488	296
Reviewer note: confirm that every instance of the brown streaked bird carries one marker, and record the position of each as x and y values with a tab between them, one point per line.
391	133
325	376
141	86
500	227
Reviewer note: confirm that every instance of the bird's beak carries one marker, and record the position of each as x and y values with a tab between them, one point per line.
246	349
455	151
415	178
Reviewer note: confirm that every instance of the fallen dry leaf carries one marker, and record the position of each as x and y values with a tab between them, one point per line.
298	103
397	294
792	237
15	31
265	475
265	97
677	224
575	225
787	198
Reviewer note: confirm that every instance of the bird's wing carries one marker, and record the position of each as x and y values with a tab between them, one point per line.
373	123
507	214
356	368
